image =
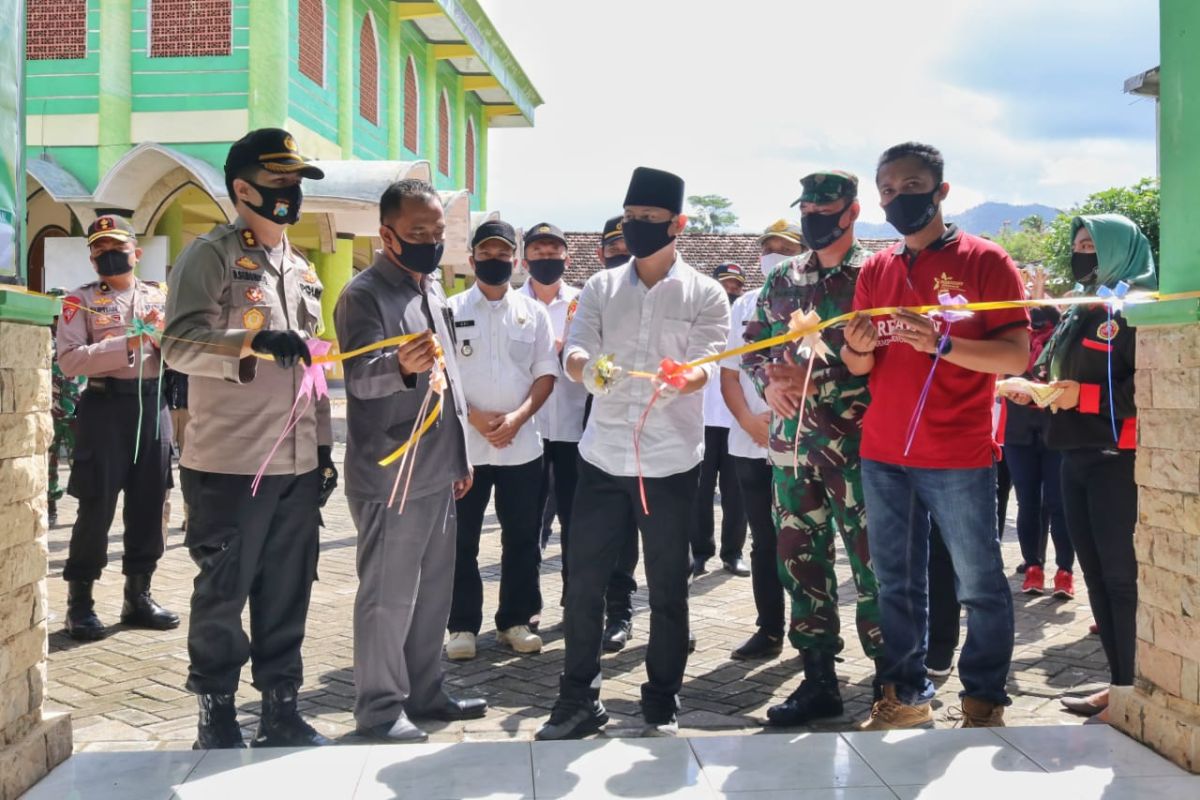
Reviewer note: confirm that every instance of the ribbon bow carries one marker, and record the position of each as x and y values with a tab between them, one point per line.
948	299
140	327
809	346
312	382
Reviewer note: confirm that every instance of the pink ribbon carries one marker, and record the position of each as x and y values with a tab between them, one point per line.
950	317
312	382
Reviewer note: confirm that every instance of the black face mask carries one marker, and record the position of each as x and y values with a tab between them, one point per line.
493	271
1083	266
615	261
113	262
281	205
644	239
821	230
909	213
547	271
422	258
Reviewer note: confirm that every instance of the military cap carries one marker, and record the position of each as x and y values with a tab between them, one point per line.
273	149
730	271
613	230
494	229
828	186
110	226
544	230
784	230
655	188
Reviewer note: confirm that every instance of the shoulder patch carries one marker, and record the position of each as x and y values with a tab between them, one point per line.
70	305
571	308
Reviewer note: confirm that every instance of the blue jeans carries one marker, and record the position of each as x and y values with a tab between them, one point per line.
900	501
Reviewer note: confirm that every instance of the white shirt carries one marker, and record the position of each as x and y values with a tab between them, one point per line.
503	347
561	418
740	443
684	316
716	413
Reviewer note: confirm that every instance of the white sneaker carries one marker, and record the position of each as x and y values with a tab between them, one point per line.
520	639
938	673
461	646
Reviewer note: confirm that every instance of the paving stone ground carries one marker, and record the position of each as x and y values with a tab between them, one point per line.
126	692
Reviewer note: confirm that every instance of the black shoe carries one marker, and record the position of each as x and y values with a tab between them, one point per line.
616	636
698	566
737	566
816	698
281	725
760	645
82	623
218	728
452	710
51	514
691	641
572	720
140	610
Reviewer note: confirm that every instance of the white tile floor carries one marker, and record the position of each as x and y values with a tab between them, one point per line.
1067	763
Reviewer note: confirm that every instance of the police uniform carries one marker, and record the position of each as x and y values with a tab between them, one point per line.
227	291
120	414
821	487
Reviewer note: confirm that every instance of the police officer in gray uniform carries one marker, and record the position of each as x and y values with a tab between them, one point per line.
239	292
405	561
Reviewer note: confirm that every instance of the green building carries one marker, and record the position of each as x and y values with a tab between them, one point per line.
131	105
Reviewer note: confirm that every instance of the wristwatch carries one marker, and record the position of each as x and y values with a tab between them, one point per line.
945	346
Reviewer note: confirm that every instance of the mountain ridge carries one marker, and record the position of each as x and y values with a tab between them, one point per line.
986	218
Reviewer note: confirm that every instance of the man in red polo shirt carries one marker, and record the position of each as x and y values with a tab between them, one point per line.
944	467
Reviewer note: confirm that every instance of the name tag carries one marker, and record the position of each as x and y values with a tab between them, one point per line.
243	275
464	323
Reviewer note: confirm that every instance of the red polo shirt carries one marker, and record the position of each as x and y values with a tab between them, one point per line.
955	429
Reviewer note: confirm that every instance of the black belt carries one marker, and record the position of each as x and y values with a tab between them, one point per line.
123	385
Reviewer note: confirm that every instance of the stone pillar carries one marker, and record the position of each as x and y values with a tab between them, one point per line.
31	743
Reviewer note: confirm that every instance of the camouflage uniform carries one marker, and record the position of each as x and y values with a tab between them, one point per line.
826	488
65	397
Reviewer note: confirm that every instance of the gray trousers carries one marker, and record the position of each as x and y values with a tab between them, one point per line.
405	580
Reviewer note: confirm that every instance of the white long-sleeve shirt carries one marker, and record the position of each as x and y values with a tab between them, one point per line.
740	443
685	316
561	418
503	347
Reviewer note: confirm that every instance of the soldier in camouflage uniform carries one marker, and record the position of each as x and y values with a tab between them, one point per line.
64	399
817	481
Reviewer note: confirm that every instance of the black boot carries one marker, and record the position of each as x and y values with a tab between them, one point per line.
218	728
141	611
281	724
82	622
818	696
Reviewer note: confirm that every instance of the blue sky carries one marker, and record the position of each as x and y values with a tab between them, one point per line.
1024	97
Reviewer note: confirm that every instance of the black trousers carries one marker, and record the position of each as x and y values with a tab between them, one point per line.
1037	476
519	515
754	482
945	612
1004	487
1100	500
603	503
718	468
560	474
103	467
262	549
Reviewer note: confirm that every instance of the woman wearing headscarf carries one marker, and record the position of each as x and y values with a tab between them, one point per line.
1091	358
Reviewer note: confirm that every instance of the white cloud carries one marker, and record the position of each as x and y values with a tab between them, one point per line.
743	99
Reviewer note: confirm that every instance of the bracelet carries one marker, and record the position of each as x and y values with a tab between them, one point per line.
858	353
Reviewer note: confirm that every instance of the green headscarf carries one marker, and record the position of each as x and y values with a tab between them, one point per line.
1122	254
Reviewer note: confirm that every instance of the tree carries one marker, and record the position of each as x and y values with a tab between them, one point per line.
1138	202
710	213
1025	246
1033	224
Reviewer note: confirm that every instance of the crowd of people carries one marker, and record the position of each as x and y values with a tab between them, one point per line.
884	432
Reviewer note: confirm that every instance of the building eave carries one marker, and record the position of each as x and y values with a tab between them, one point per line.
1145	84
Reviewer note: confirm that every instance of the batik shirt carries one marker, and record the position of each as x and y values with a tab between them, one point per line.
832	419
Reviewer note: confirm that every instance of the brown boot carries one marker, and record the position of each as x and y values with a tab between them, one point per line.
889	714
978	713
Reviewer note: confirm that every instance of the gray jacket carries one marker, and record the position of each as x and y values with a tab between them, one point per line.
379	303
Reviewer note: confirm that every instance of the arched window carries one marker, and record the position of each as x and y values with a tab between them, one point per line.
469	161
55	29
190	28
443	158
412	107
312	40
368	72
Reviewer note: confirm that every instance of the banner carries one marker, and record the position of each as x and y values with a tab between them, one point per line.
12	135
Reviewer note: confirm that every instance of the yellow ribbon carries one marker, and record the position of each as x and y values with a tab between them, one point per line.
430	418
